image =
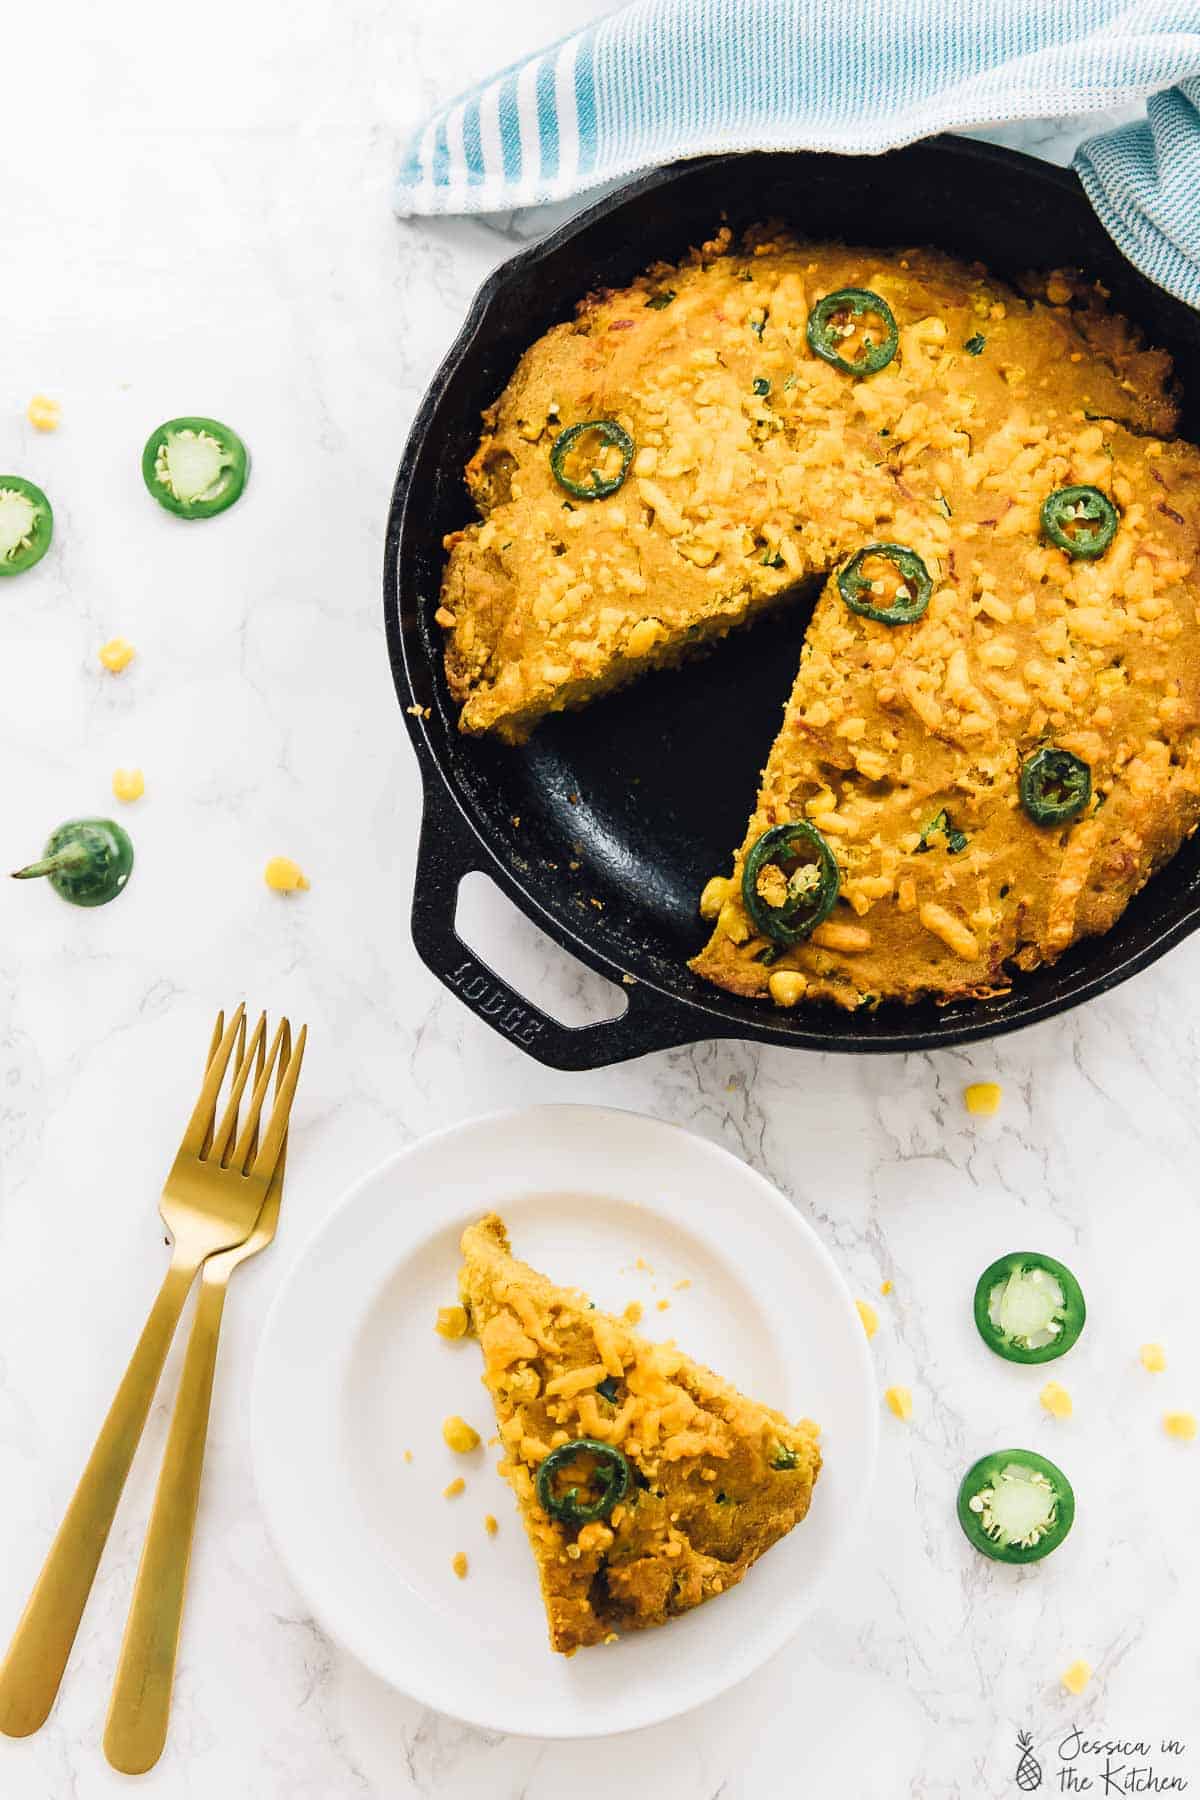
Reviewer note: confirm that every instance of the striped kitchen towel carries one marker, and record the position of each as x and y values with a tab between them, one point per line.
663	79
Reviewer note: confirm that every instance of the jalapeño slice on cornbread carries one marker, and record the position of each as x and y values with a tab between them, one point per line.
646	1483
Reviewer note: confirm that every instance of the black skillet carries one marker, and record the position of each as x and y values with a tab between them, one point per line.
636	800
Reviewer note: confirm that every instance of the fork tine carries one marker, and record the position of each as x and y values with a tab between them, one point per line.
281	1070
218	1033
272	1144
228	1125
238	1057
239	1157
200	1123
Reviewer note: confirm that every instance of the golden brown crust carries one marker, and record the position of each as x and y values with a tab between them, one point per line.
706	1501
738	498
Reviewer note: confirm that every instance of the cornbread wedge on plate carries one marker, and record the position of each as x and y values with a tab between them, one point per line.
646	1484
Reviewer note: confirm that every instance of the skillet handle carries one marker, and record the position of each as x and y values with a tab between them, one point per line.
445	853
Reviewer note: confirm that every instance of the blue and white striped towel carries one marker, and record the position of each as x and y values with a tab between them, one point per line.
663	79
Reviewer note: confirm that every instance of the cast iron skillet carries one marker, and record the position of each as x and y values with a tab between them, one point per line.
635	801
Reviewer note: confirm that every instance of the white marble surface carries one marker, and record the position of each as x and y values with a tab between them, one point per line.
195	217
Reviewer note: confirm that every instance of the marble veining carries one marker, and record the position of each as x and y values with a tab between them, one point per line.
196	218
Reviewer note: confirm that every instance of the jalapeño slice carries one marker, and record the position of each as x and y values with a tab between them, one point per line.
789	882
591	460
1080	520
1055	785
195	468
1028	1308
26	524
609	1474
1015	1506
854	330
887	582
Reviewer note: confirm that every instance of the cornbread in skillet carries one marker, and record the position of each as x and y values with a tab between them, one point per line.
758	468
708	1480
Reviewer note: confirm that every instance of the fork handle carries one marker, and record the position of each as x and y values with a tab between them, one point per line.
141	1698
33	1668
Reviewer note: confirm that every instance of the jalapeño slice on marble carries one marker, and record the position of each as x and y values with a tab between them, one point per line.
854	330
886	582
1015	1506
789	882
195	467
597	1474
1055	785
26	524
86	861
591	460
1028	1307
1080	520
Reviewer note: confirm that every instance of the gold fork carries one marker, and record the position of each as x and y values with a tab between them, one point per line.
140	1707
210	1202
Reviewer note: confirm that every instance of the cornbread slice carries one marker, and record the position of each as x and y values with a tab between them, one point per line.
891	729
715	1478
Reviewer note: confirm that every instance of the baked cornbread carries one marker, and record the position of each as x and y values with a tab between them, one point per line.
646	1483
759	468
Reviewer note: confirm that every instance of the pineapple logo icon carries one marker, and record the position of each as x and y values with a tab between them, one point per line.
1029	1769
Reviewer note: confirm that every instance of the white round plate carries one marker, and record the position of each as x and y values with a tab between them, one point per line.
351	1375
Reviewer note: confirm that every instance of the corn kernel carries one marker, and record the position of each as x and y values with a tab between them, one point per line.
715	894
43	413
452	1321
869	1317
458	1562
900	1401
982	1098
128	784
116	655
453	1488
284	875
1076	1678
491	1524
1180	1425
885	1287
1056	1400
787	986
1154	1358
458	1435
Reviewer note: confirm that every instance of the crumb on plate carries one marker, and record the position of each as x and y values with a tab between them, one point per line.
452	1321
869	1317
491	1524
458	1562
458	1435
